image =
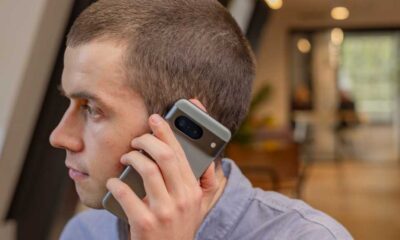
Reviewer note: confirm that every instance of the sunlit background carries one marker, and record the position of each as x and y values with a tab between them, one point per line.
324	125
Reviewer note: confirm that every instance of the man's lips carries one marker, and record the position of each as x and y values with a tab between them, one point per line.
76	174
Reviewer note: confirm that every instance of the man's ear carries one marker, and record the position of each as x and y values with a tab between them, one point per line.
198	104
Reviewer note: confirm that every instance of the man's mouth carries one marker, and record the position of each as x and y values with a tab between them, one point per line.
77	175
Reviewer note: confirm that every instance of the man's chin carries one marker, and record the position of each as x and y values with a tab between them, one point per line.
90	200
94	205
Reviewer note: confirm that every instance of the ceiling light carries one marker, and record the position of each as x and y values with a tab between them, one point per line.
274	4
303	45
337	36
340	13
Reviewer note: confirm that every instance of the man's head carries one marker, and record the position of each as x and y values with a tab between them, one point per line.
126	59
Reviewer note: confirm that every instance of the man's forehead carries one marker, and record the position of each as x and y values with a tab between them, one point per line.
90	56
94	60
95	69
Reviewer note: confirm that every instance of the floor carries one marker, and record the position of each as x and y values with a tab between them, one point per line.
364	196
372	143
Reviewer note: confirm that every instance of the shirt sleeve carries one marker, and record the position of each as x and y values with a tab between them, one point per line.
317	231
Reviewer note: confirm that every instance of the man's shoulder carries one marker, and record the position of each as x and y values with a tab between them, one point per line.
244	212
91	224
291	218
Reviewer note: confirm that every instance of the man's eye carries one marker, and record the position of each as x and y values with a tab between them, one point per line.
87	108
90	111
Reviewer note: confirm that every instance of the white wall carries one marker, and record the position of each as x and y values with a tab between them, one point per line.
30	35
18	24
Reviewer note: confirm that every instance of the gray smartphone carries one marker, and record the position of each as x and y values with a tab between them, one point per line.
202	138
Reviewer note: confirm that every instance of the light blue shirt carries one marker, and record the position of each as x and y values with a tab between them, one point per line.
242	213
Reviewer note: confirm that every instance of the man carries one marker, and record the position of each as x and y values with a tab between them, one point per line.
126	62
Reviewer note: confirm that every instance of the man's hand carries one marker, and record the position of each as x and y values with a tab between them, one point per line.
176	202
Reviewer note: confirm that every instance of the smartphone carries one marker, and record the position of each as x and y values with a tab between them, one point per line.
202	138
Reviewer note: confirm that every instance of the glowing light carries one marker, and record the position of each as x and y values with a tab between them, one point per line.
274	4
304	45
337	36
340	13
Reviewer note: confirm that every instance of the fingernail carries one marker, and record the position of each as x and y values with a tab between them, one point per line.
155	119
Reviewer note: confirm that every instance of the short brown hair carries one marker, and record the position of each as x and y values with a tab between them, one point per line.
176	49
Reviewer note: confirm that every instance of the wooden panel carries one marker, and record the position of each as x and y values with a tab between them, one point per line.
269	169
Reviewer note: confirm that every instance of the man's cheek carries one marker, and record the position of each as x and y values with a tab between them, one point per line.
119	168
113	168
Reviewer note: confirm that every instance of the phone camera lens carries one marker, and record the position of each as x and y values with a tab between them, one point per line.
188	127
181	123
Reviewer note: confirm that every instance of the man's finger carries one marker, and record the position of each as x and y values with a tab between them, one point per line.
153	181
208	180
129	201
162	130
166	160
198	104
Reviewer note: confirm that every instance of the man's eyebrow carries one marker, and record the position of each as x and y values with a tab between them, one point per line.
83	95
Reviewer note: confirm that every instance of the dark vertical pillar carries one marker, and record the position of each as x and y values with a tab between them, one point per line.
257	22
224	2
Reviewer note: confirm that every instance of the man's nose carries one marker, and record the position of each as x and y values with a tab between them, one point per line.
67	134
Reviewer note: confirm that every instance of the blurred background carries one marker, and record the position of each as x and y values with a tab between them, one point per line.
323	125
